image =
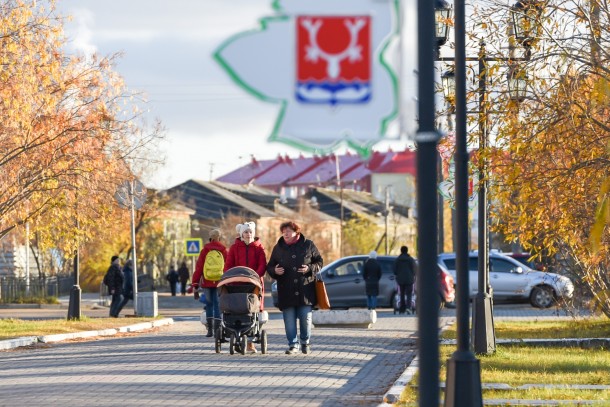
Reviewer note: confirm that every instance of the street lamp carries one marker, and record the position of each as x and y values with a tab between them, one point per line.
517	84
448	82
463	369
526	17
442	14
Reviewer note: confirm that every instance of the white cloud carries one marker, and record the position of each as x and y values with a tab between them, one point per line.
82	35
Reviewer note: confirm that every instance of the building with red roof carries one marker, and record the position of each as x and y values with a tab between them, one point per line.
292	177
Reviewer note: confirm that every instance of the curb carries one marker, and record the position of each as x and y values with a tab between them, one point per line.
392	396
32	340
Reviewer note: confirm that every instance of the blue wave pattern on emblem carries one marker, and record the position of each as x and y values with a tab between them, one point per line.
333	93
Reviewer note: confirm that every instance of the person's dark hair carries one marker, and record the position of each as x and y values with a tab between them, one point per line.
291	225
404	249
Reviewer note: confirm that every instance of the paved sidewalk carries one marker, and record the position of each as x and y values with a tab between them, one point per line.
176	365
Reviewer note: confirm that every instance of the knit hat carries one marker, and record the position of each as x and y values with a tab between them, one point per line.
113	258
373	254
215	234
251	226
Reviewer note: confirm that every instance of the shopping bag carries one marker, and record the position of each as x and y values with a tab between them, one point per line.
321	295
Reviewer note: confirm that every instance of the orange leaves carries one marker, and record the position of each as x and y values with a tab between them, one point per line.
62	131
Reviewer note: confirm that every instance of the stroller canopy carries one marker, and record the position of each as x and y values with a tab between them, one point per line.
240	274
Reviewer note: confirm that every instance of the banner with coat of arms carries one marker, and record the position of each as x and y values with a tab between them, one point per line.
325	63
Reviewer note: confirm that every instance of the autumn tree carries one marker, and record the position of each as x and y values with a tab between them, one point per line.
66	139
360	235
550	157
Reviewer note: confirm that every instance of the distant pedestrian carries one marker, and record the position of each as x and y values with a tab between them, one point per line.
294	263
405	270
172	277
114	281
183	273
127	284
208	270
371	275
248	251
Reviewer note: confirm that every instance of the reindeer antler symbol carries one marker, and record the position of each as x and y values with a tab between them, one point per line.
353	51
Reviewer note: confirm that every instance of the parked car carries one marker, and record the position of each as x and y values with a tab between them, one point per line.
345	285
524	258
512	280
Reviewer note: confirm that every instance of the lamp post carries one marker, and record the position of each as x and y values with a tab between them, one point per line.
463	370
483	329
427	139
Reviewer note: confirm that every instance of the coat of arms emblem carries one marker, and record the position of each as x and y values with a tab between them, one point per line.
333	59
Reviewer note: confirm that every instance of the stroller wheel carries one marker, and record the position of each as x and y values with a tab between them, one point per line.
243	343
263	342
217	345
232	344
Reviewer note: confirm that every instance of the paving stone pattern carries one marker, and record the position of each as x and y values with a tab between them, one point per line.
176	365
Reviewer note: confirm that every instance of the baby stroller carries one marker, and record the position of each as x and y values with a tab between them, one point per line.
239	295
397	301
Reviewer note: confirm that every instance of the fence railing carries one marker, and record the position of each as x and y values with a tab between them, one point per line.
13	288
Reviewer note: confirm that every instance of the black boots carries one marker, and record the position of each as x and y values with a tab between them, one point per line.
211	324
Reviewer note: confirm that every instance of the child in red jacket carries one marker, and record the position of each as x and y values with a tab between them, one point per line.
210	289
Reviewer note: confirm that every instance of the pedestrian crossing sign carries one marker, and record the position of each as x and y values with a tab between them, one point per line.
192	247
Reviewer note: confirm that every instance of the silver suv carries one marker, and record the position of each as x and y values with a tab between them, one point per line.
511	280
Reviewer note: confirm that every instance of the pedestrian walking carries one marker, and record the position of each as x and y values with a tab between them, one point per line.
184	275
248	251
294	263
127	285
114	281
172	277
405	270
371	275
208	270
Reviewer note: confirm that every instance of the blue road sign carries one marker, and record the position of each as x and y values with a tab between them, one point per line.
192	247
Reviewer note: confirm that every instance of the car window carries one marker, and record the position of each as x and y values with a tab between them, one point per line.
349	268
387	266
473	263
501	266
449	264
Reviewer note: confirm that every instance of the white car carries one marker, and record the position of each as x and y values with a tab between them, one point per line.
511	280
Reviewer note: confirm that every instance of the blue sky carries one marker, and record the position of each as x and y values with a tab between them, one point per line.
213	126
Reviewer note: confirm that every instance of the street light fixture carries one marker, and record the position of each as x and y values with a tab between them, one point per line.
448	82
443	14
526	16
517	84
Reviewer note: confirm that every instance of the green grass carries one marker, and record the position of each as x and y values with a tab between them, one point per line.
34	300
578	328
15	328
524	364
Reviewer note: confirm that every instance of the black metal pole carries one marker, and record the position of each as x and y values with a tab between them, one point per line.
482	315
463	383
427	281
75	291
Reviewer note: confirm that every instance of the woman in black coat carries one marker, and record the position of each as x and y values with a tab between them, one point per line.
294	263
371	275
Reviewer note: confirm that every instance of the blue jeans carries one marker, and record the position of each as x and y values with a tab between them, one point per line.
303	313
371	301
211	303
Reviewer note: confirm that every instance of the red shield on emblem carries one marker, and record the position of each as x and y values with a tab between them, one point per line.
333	60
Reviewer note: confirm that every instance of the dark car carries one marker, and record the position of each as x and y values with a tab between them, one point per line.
345	285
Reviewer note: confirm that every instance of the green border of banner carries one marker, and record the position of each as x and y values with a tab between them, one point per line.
362	149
